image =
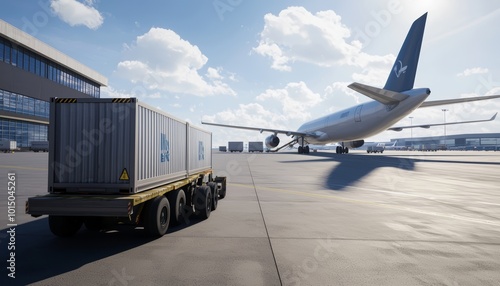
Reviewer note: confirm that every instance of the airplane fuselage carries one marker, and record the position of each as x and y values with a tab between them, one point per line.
361	121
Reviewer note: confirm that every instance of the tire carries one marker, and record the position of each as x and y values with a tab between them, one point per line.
157	216
93	223
222	191
215	195
203	202
177	207
64	226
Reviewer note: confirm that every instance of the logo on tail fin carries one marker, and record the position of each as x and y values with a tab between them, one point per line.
402	69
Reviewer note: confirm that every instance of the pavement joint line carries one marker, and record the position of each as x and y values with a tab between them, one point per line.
443	215
265	225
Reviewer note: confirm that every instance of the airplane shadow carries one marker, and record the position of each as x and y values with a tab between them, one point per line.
41	255
352	168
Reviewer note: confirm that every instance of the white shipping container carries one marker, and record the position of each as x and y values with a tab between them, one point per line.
120	145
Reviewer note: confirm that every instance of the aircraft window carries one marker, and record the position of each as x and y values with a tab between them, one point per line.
345	114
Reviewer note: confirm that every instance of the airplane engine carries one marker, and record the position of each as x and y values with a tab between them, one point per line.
272	141
355	144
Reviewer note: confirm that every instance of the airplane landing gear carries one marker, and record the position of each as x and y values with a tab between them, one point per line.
342	150
303	150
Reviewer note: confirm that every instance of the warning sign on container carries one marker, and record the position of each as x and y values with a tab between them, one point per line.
124	175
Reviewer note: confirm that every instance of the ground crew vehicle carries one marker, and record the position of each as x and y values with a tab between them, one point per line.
8	146
37	146
118	160
379	148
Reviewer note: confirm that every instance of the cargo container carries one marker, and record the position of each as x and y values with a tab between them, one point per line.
256	146
235	146
222	149
119	159
8	146
378	148
37	146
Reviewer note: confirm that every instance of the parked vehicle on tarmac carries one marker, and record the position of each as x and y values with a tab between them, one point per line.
136	165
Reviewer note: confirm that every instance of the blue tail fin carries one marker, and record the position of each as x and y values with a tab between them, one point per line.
403	73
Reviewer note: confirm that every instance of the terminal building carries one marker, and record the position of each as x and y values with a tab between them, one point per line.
478	141
31	72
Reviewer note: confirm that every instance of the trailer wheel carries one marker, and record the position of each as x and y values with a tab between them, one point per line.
64	226
222	191
177	207
93	223
157	216
215	195
203	202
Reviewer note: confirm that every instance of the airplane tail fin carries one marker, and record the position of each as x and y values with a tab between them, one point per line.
402	75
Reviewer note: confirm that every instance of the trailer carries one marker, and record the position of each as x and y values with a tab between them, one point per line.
8	146
235	146
256	146
119	160
37	146
379	148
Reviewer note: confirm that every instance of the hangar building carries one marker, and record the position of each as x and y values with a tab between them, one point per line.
31	72
478	141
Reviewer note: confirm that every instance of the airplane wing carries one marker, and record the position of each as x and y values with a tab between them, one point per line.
276	131
458	100
399	128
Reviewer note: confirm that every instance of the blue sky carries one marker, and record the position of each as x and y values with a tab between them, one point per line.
274	63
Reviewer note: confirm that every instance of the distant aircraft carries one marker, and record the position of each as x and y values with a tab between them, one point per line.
395	101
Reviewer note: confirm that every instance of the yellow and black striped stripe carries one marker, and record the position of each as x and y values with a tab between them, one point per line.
66	100
121	100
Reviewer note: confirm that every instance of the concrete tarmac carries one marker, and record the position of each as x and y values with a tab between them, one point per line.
397	218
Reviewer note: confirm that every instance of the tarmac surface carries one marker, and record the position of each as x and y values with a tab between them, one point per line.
397	218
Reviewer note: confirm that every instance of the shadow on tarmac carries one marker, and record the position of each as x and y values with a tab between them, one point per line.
41	255
351	168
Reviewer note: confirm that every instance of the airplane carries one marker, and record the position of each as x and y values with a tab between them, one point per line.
390	104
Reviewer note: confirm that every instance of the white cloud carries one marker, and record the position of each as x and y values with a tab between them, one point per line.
162	60
297	35
76	13
111	92
214	73
472	71
295	99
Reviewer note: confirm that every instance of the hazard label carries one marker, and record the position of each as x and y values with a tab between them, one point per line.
124	175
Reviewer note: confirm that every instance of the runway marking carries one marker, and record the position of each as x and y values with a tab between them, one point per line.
355	201
22	168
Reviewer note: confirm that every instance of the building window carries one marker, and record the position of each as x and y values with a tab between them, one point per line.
22	132
31	62
23	104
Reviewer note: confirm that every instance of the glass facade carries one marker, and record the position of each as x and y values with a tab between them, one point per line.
22	132
31	62
13	102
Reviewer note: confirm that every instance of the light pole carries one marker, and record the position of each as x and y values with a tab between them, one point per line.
411	130
444	113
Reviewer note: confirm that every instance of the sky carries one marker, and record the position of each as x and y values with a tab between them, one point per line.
274	64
